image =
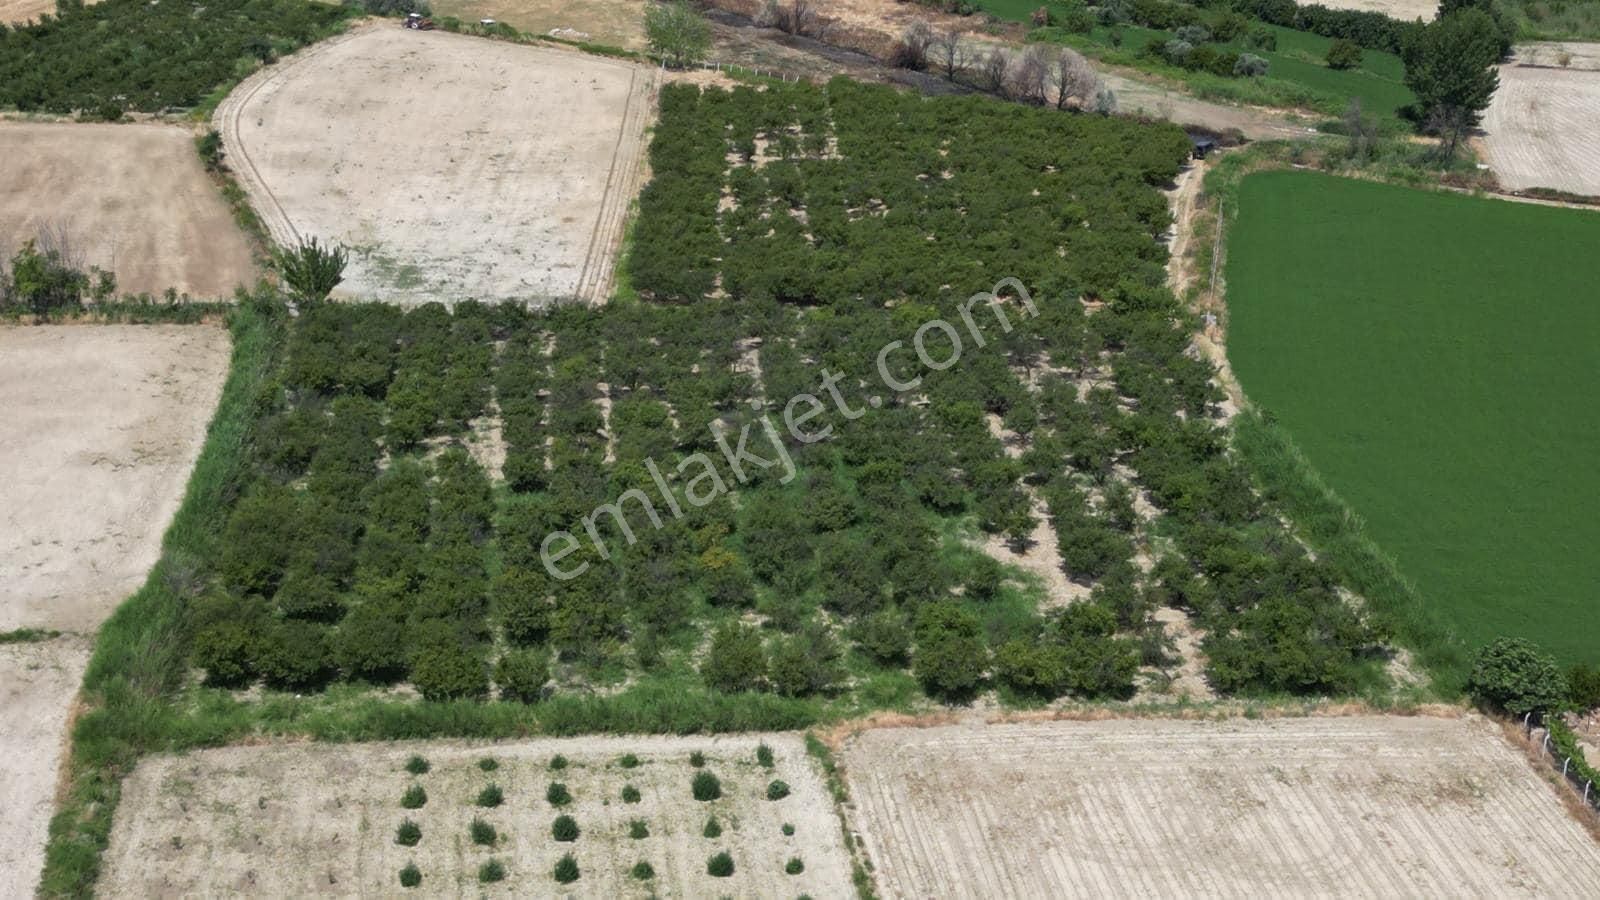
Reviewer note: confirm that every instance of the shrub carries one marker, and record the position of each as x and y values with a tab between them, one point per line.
764	755
735	661
638	830
630	794
777	790
558	762
416	765
950	656
1249	65
885	637
564	829
628	761
410	876
311	270
1511	674
794	866
706	787
557	795
1583	686
720	865
445	670
408	834
483	834
788	830
488	764
642	871
697	759
566	870
414	798
1343	54
491	872
491	796
713	828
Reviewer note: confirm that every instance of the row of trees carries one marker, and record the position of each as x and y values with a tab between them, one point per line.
119	55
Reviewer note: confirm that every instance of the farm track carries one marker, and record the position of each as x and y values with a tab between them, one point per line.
622	185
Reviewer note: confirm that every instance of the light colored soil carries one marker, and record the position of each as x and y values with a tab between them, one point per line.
1542	129
25	10
1404	10
456	167
296	820
133	199
37	684
99	427
1360	806
615	23
1579	56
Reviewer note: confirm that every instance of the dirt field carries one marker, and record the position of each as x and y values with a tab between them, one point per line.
454	167
615	23
295	820
37	684
133	198
1363	806
1542	128
1404	10
25	10
99	427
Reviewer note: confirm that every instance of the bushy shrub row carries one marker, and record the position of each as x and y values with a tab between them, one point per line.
829	223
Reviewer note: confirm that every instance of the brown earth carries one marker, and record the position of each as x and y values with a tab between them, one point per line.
1542	128
454	167
99	428
1355	806
1404	10
295	820
131	198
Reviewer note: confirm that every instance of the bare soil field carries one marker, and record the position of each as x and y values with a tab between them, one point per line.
1363	806
454	167
132	198
99	427
38	682
615	23
24	10
1404	10
1542	128
296	820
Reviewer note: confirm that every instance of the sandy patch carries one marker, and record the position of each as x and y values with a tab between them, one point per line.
293	820
19	11
37	684
1542	128
1359	806
455	167
133	199
99	427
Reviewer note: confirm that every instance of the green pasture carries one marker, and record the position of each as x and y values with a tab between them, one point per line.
1437	358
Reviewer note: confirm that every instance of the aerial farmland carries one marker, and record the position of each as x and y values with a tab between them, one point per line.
790	449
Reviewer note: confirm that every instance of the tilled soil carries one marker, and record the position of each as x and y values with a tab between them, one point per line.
1362	806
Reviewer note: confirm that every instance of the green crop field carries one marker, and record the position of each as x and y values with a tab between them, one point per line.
1437	362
